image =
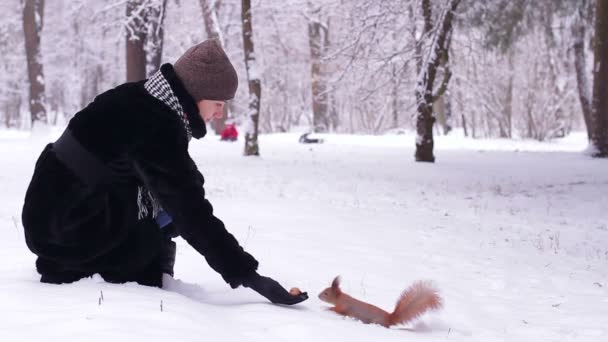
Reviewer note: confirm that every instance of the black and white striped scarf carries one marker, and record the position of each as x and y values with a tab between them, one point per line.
159	87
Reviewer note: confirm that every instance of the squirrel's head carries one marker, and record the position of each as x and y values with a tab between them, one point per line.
331	294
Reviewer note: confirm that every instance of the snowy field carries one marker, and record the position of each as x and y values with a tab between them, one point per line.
514	234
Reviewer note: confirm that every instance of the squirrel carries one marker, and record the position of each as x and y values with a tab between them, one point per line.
412	303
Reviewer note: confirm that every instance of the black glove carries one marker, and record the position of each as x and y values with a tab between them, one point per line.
272	290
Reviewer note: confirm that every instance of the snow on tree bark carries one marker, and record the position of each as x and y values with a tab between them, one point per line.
442	105
255	89
33	16
144	37
426	79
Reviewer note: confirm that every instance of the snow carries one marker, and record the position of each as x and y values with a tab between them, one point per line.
513	233
253	72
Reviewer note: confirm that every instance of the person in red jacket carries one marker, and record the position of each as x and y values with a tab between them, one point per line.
229	133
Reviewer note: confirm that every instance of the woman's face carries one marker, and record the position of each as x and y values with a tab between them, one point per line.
210	109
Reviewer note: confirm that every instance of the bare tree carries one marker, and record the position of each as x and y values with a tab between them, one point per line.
425	95
506	124
578	33
599	110
155	35
210	18
213	31
12	64
318	39
512	61
520	77
370	63
144	37
443	106
255	88
33	16
135	41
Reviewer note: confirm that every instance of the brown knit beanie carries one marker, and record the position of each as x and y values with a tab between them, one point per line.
206	72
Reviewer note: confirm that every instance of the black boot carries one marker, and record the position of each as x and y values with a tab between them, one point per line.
167	256
150	275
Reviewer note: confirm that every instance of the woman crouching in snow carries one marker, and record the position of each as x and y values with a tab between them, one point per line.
119	184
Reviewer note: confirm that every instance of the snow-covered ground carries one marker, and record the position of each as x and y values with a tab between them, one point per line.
514	234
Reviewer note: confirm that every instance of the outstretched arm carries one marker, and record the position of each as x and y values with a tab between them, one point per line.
168	171
165	167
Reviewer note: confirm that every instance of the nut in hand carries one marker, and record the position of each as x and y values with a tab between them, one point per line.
294	291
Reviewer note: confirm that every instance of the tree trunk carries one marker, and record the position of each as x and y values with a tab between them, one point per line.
155	36
474	125
317	39
599	110
332	111
439	110
255	89
442	104
427	14
7	118
213	31
447	96
136	37
394	96
426	80
12	105
578	33
211	22
464	125
33	16
509	96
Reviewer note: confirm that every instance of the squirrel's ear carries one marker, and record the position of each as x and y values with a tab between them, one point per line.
336	283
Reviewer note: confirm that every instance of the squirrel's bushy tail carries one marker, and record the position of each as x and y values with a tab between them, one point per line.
415	301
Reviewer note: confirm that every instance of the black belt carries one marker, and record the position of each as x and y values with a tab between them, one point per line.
83	163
